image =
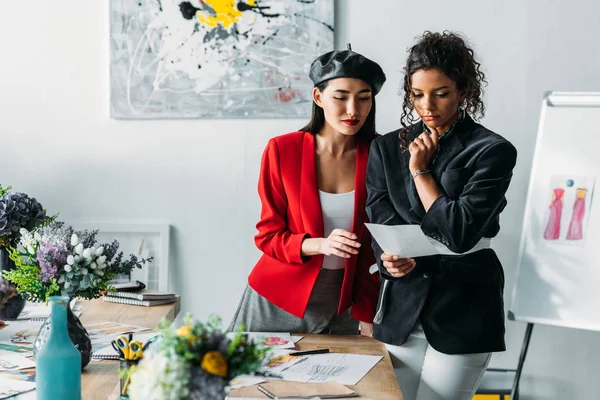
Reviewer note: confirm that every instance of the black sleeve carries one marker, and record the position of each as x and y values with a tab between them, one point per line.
461	223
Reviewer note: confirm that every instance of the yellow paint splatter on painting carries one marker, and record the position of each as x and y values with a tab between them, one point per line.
226	12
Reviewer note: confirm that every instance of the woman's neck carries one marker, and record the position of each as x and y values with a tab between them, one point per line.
330	141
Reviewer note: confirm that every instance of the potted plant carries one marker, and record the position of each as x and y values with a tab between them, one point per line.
17	211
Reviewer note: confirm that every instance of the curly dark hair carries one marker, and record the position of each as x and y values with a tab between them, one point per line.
450	53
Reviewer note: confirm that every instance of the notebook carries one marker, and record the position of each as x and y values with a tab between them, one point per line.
109	353
135	302
143	295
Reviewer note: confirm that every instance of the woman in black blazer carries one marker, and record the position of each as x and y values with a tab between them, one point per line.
442	316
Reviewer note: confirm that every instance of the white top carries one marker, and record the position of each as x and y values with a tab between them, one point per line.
338	212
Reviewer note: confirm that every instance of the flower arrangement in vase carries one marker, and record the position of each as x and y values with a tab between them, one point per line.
57	260
193	362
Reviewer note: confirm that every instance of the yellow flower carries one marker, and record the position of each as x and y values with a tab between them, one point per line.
214	363
186	332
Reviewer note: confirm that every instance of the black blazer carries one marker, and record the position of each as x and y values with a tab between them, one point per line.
458	298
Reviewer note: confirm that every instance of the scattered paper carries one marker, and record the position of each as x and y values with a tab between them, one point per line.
20	331
296	339
402	240
23	350
102	333
12	362
11	387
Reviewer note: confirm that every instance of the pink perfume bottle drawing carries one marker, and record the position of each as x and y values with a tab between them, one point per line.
553	228
575	231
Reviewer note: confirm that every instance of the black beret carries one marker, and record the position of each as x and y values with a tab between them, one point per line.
346	64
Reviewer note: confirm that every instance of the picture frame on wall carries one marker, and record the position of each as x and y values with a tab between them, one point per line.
214	58
143	240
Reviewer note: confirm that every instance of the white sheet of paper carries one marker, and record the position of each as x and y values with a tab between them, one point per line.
102	333
10	387
11	361
20	331
348	369
296	339
402	240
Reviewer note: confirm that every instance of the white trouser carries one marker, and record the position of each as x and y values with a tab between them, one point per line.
424	373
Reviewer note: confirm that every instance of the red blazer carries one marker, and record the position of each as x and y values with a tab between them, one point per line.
291	211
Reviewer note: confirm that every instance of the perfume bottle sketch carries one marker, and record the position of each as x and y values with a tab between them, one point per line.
552	231
575	231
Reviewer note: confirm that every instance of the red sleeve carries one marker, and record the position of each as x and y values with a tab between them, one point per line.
366	285
274	238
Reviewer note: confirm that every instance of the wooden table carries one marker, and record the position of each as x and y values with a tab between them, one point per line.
379	384
100	380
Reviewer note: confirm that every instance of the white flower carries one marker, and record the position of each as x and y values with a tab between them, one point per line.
30	249
87	253
74	240
37	236
101	260
68	268
67	284
70	260
77	259
160	376
83	271
79	248
99	251
99	273
93	265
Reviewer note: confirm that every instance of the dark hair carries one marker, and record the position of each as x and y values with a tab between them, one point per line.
317	120
450	53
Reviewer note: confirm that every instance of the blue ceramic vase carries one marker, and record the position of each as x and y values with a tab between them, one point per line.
58	362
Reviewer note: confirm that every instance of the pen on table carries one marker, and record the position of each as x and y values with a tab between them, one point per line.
309	352
266	392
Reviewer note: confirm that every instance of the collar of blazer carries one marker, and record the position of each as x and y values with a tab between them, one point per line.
449	147
312	215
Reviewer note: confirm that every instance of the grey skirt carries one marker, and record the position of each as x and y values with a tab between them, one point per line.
260	315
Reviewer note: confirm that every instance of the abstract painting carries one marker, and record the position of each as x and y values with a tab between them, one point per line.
566	218
215	58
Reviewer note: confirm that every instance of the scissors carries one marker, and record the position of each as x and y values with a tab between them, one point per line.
129	349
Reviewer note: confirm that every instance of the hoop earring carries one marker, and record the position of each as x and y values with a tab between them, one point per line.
462	110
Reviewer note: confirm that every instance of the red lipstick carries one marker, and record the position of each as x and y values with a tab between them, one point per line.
350	122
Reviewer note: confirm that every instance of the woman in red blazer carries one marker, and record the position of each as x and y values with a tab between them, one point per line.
316	249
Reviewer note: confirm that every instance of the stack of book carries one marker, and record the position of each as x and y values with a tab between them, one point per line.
146	298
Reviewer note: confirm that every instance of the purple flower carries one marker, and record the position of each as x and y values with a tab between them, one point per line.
51	257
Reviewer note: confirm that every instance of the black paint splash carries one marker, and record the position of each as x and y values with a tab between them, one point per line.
188	10
260	10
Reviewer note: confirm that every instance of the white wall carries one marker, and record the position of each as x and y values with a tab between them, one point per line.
60	146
